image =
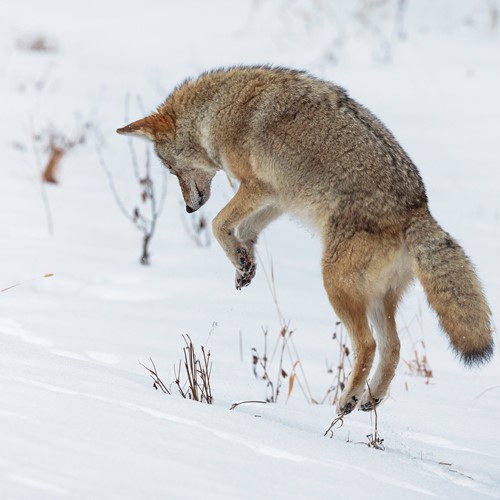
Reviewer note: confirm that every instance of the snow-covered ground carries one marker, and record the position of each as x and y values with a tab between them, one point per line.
78	415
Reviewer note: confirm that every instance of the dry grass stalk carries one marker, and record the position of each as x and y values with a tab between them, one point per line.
157	382
261	366
285	346
192	376
144	216
341	374
418	365
15	285
235	405
335	421
374	439
196	372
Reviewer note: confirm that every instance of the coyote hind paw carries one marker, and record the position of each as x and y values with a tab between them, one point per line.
345	407
369	402
369	405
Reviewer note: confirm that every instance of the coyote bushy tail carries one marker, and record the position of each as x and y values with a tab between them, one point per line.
452	288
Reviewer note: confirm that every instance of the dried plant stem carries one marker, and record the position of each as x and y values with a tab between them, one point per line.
335	421
50	172
341	375
374	439
418	364
153	202
157	382
49	275
287	347
235	405
43	190
192	375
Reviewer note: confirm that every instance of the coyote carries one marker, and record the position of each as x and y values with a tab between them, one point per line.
300	145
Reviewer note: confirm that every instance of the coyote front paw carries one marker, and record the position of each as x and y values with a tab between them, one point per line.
246	268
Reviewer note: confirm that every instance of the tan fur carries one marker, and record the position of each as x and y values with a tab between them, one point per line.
300	145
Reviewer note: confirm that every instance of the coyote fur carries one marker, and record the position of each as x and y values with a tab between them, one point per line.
300	145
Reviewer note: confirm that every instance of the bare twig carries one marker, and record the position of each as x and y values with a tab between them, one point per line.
446	464
235	405
341	374
335	421
157	382
43	189
374	439
150	200
49	275
284	343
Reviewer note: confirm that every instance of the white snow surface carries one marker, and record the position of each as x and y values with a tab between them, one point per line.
78	416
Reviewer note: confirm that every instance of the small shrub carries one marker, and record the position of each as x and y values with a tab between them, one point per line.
192	374
144	215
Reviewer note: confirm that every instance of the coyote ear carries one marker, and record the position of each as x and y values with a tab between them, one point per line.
154	127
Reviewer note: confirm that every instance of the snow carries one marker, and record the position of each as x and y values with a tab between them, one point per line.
78	415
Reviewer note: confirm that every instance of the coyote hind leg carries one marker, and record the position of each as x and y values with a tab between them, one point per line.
343	277
382	317
382	314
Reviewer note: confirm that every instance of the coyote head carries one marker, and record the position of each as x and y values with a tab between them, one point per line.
180	154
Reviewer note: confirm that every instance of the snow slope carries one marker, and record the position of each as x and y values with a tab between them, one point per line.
78	416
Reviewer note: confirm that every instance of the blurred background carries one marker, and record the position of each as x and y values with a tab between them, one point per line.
132	272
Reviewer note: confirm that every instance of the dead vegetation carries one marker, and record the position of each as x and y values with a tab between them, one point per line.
261	366
143	214
342	369
58	144
49	145
374	439
284	351
289	366
36	43
192	374
15	285
418	364
339	419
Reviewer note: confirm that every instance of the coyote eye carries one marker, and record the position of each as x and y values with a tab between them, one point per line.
165	163
170	169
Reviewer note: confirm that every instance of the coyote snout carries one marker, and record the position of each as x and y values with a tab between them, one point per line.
300	145
195	187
